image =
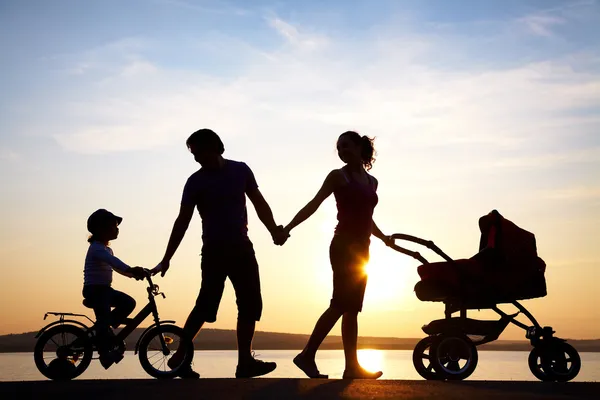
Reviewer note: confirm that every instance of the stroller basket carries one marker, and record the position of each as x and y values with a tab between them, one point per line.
506	268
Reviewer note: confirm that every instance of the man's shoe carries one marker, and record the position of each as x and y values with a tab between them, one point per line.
254	368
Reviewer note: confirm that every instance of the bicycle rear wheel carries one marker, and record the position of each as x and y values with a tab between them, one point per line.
63	352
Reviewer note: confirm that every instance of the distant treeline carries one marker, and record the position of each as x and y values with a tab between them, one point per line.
219	339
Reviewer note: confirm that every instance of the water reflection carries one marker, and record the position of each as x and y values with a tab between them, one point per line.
395	364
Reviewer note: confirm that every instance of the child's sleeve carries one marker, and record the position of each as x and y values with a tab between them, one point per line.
105	256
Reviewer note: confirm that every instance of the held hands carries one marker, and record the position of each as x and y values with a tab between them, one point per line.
280	235
138	273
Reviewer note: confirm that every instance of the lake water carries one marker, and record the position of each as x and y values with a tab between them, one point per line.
395	364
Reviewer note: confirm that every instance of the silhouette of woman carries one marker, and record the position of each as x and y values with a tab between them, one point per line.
355	194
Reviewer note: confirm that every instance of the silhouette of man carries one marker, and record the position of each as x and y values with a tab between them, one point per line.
218	190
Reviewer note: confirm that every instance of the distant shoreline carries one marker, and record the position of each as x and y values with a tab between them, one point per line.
222	339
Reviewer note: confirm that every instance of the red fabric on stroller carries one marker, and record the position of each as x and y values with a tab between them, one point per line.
507	267
451	272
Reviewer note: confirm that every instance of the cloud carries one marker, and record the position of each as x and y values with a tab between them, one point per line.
222	8
544	22
106	59
583	156
387	83
577	193
139	67
568	6
295	37
8	154
541	25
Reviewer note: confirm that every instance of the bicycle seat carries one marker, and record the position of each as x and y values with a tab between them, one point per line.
87	303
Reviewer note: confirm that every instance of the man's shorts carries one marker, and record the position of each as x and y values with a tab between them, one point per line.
238	263
348	261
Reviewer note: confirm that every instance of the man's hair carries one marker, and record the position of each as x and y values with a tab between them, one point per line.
205	139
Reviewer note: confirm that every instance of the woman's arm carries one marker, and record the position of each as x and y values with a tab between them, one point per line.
376	231
312	206
380	235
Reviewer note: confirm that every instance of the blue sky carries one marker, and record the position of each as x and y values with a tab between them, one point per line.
60	49
475	105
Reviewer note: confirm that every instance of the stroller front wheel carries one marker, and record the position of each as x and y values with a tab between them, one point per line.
454	357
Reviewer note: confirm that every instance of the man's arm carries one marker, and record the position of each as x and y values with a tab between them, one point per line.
180	226
262	209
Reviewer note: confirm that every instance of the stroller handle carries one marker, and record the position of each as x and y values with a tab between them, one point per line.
414	254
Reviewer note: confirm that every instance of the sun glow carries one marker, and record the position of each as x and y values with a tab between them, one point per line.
371	360
390	276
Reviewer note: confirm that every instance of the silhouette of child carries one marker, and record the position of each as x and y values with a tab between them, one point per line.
97	290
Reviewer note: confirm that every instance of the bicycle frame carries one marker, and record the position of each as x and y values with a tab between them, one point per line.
134	322
130	324
148	309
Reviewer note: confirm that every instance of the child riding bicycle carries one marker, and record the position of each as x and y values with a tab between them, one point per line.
97	290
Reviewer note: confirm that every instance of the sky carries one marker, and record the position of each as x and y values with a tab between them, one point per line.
474	106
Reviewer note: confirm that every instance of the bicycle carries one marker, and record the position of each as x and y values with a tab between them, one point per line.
70	358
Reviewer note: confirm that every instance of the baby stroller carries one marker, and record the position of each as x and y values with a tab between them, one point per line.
506	269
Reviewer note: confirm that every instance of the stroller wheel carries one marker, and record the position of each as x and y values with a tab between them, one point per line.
556	361
422	358
454	357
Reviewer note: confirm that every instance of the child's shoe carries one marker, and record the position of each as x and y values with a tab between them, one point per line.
110	358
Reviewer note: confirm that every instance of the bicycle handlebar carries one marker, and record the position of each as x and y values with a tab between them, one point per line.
152	287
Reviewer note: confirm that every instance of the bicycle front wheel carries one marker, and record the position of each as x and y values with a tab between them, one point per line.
157	348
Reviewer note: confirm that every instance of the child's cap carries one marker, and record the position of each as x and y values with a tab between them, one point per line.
99	219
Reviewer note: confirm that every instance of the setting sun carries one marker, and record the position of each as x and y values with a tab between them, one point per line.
371	360
390	276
